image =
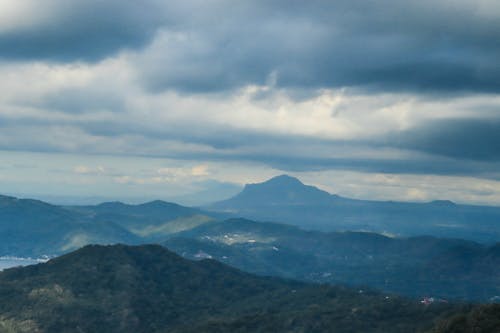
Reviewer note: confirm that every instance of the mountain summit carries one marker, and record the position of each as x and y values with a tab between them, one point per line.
280	190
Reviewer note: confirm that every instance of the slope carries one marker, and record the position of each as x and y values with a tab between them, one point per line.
417	266
149	289
34	228
150	221
285	199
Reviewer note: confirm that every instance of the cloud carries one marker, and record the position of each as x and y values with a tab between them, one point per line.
199	47
200	170
419	46
87	30
339	129
86	170
372	87
475	139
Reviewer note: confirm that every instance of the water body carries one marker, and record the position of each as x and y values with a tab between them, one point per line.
8	262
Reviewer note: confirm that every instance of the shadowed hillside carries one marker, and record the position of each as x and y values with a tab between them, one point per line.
416	266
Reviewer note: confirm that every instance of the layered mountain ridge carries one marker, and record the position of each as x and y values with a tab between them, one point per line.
149	289
285	199
416	266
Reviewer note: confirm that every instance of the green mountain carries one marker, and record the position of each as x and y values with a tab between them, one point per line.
285	199
149	221
416	266
149	289
35	228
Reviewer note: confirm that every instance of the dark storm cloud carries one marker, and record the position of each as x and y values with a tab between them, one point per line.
81	30
412	46
422	165
469	139
220	45
77	101
448	47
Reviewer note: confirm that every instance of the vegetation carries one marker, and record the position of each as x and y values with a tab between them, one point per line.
35	228
417	267
149	289
482	319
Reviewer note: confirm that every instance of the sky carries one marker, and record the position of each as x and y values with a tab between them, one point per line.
189	100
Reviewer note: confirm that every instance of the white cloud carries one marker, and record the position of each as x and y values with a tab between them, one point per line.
86	170
247	131
200	170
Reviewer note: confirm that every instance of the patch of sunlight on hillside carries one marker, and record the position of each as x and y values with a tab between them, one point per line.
76	241
173	226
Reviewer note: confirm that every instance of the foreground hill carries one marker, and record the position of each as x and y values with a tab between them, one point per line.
285	199
481	319
149	289
417	266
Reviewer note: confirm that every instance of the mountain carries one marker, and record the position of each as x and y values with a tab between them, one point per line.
285	199
149	221
280	190
484	318
416	266
35	228
149	289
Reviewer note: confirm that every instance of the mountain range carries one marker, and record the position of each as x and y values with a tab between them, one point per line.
149	289
285	199
326	243
35	228
416	266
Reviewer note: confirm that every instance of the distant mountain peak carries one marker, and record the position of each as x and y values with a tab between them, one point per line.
283	180
158	204
282	189
111	204
443	203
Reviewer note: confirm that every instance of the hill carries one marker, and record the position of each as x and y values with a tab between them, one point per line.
149	221
416	266
484	318
285	199
149	289
34	228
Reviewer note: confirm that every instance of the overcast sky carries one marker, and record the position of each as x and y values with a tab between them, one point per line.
390	100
